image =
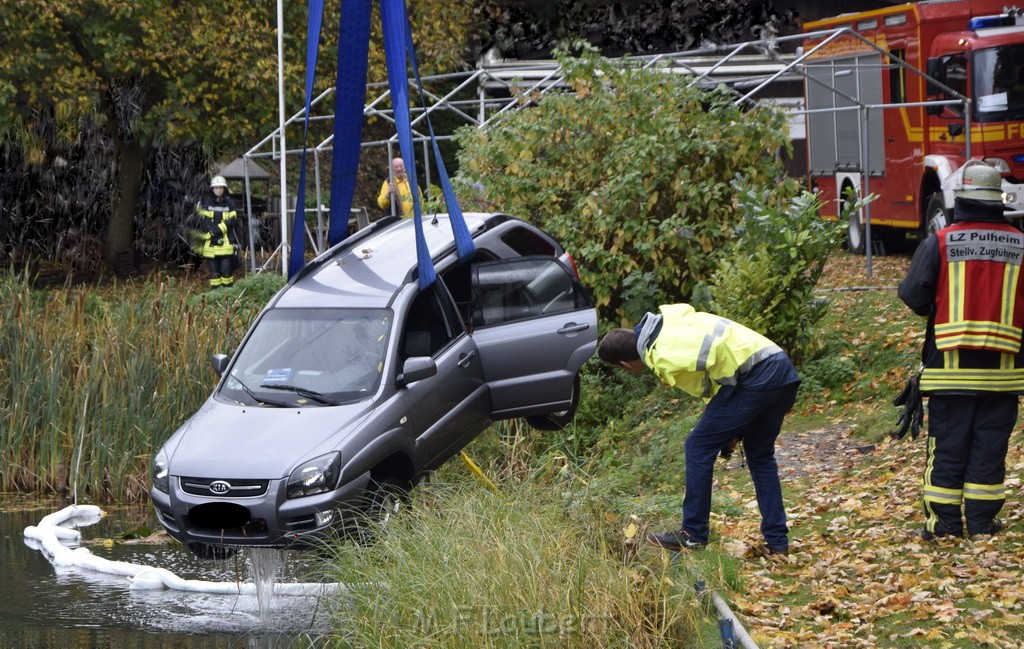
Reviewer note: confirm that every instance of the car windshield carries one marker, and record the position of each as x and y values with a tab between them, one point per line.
999	82
310	356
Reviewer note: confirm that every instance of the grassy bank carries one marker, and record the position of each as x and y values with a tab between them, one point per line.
93	378
466	567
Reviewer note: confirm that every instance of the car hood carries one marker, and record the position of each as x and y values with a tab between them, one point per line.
231	441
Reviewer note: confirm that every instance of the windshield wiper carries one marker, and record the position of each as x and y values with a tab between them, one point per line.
262	402
302	392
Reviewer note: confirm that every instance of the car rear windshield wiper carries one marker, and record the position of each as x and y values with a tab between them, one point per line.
262	402
302	392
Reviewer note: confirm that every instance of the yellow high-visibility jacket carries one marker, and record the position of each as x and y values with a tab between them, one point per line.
699	352
405	207
216	217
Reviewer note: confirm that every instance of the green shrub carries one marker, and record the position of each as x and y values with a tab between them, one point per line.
631	173
767	279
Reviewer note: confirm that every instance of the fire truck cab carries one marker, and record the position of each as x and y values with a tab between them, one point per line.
883	134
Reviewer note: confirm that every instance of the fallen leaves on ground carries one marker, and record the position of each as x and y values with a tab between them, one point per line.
857	576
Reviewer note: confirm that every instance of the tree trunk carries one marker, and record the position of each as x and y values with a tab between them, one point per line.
131	159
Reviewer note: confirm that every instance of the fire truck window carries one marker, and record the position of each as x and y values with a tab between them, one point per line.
999	80
956	73
897	78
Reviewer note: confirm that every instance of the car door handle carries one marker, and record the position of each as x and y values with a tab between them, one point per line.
572	327
465	359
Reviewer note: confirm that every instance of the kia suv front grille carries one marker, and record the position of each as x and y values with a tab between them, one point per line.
220	488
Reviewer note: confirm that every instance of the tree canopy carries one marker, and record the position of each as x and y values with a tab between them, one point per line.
154	71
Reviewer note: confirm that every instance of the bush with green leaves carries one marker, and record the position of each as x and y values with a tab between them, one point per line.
631	172
767	279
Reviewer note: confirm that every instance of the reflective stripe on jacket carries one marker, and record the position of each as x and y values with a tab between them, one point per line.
699	352
966	369
217	216
978	301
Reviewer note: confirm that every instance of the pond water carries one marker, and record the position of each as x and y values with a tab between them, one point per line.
43	606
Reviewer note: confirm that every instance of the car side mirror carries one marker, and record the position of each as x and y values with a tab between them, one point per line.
417	368
219	363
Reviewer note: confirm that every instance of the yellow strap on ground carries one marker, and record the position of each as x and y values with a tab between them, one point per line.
478	472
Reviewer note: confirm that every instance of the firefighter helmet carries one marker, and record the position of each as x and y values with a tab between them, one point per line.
218	181
981	182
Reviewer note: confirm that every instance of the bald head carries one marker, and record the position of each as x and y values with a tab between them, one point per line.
398	168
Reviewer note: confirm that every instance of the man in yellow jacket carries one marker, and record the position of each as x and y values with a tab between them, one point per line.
398	185
749	384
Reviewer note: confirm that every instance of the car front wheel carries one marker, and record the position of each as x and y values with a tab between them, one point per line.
555	421
383	499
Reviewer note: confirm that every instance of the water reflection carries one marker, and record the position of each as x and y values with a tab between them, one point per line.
55	607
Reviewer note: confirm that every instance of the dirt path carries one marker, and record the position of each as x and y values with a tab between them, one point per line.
824	451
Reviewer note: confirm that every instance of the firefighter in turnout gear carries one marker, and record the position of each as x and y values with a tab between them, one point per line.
966	279
217	220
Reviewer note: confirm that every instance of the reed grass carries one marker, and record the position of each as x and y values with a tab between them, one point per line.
528	567
93	379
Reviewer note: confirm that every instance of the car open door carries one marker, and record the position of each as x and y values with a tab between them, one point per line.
534	326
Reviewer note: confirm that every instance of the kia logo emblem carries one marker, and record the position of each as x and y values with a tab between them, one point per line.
220	487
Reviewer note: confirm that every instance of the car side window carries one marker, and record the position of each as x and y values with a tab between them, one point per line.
458	282
519	289
428	327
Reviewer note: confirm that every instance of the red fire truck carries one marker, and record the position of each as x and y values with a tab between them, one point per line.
904	145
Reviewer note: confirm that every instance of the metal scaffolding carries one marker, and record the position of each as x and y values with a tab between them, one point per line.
756	71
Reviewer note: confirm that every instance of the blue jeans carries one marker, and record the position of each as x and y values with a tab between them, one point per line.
756	416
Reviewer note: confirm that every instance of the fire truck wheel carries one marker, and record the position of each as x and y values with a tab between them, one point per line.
936	216
855	234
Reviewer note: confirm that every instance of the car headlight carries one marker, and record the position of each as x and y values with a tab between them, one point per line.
161	480
315	476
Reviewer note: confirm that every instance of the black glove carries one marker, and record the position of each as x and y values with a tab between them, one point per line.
913	409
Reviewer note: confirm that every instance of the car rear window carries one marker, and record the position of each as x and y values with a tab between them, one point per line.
528	242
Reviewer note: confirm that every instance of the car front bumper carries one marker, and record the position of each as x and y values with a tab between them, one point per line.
270	519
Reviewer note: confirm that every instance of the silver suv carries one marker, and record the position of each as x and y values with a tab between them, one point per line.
352	383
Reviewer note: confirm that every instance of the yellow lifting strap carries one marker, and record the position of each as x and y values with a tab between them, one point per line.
478	472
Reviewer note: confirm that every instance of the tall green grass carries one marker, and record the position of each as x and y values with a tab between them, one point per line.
93	379
529	567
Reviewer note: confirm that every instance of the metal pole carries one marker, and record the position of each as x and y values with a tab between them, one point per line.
483	101
866	186
319	204
248	212
281	121
426	163
391	178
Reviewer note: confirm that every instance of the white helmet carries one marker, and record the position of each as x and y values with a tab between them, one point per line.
218	181
981	182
